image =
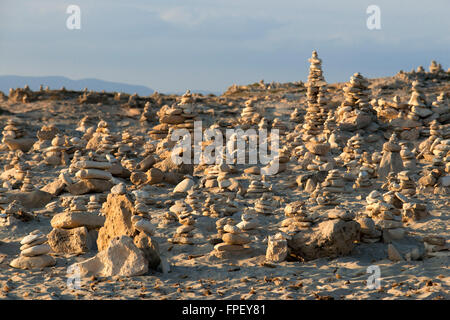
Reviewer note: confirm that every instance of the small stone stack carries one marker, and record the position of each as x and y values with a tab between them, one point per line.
148	115
334	182
235	243
184	233
323	198
408	157
363	180
56	155
250	115
296	116
407	186
13	130
278	124
194	199
435	67
93	176
181	115
353	149
257	188
249	222
264	205
297	218
27	185
34	252
384	209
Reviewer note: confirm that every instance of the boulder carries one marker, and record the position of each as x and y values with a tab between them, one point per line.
277	249
118	210
120	258
150	249
331	238
30	200
71	241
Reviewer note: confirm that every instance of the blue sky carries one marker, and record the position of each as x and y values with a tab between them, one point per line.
174	45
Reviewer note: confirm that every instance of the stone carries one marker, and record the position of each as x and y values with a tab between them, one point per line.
69	220
94	174
137	178
277	249
71	241
144	225
90	185
121	257
37	262
31	238
55	188
394	254
119	189
331	238
239	239
37	250
118	210
184	186
150	249
155	176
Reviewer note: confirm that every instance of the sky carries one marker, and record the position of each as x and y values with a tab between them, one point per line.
174	45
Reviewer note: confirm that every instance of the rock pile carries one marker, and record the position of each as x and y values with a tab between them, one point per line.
34	253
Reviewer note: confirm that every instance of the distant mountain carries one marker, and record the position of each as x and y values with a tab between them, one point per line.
56	82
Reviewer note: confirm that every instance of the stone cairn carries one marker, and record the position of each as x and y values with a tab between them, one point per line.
264	205
297	218
75	229
93	176
148	115
250	115
56	155
323	198
141	215
355	111
257	188
33	252
235	243
334	182
184	233
316	112
386	214
442	108
408	157
27	185
179	116
391	161
419	108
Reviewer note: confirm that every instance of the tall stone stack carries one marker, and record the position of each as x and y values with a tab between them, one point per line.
316	112
418	106
355	112
391	161
442	108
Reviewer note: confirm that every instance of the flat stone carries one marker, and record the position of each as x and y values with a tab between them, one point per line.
69	220
38	250
37	262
